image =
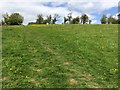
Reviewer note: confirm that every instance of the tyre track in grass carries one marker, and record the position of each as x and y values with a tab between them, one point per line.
71	81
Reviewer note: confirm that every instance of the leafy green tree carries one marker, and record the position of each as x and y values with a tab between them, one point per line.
84	19
2	22
118	18
110	20
69	17
65	20
16	19
114	21
104	19
31	23
76	20
6	18
55	18
90	21
49	18
39	19
45	21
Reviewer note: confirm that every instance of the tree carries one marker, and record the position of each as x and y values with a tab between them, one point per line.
84	19
114	21
39	19
2	22
110	20
31	23
104	19
90	21
76	20
6	18
69	17
45	21
16	19
118	18
49	18
55	18
65	20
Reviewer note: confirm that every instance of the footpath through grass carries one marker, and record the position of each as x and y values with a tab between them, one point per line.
84	56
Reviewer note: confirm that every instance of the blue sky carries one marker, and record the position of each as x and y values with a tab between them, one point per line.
110	12
31	8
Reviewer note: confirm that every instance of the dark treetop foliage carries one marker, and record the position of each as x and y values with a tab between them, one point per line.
104	19
84	19
16	19
40	19
13	19
55	18
76	20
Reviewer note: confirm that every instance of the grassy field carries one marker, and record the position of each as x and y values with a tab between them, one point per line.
84	56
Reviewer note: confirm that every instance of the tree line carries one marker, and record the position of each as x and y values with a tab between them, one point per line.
67	20
49	19
17	19
110	20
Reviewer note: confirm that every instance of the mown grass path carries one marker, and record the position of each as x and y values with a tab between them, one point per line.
60	56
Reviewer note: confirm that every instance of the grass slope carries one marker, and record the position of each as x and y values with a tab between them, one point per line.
82	56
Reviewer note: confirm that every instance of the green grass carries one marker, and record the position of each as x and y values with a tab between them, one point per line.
84	56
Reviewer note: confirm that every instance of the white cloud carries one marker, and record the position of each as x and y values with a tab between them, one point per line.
93	21
116	15
93	6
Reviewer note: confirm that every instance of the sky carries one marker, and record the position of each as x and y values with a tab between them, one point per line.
31	8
